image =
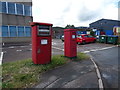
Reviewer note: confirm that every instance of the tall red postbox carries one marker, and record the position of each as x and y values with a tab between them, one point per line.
70	46
41	42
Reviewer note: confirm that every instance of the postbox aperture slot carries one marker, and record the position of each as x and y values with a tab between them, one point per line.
43	30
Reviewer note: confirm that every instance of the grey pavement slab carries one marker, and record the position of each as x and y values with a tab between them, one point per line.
74	74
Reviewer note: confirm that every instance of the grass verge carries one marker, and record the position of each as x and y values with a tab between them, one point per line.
24	74
82	56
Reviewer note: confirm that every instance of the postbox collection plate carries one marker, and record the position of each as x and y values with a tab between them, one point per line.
73	36
44	41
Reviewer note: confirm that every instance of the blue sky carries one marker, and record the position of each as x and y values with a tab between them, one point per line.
74	12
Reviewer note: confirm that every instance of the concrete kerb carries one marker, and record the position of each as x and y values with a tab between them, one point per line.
100	81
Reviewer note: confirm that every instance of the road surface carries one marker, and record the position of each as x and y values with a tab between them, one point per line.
23	51
107	61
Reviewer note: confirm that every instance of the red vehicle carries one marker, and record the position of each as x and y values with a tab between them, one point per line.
85	38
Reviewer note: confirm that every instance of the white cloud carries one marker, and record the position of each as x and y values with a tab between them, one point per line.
76	12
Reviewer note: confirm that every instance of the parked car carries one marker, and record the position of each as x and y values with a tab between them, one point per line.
85	38
62	38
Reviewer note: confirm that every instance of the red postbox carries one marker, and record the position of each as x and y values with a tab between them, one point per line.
41	42
70	46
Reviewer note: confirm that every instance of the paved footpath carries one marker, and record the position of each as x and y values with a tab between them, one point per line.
74	74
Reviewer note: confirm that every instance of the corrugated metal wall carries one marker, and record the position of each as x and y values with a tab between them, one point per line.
108	32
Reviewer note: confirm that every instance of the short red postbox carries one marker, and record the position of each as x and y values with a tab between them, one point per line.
70	46
41	42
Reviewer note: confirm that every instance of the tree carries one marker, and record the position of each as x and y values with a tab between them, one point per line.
69	26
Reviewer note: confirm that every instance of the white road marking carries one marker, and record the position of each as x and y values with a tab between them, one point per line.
98	49
86	51
30	49
11	47
94	50
18	50
54	43
3	44
106	48
58	48
1	58
23	46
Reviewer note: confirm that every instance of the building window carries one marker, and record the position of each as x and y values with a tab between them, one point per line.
15	8
11	8
19	8
0	31
4	31
27	10
0	7
3	7
20	31
27	31
13	31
